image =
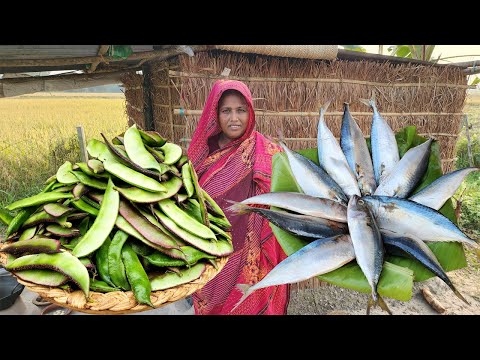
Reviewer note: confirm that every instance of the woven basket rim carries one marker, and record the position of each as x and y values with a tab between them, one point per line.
118	302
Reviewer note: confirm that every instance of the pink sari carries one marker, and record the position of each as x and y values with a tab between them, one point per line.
238	171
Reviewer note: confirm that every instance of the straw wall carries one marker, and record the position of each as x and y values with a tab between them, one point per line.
288	93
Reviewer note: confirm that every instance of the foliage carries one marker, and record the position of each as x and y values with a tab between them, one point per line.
419	52
354	48
462	151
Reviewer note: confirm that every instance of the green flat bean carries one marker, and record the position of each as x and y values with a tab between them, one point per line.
101	261
136	275
89	181
136	149
171	279
116	268
102	286
200	197
28	233
103	224
142	196
19	219
152	138
63	262
217	248
185	221
39	199
187	179
172	151
5	216
63	174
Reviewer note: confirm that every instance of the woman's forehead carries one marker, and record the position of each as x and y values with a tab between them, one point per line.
232	97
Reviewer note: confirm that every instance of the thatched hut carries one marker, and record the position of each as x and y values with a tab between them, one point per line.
289	90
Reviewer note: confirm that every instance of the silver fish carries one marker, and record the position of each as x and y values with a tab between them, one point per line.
367	243
383	143
356	152
408	218
318	257
417	249
311	178
302	225
332	159
302	204
439	191
408	172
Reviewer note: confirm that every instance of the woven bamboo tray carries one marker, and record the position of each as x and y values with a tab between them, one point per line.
119	302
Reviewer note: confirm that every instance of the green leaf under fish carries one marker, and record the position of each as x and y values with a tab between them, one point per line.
398	274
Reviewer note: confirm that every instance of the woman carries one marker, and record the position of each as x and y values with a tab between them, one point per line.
234	162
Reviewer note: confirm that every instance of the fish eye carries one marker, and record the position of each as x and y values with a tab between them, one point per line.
361	202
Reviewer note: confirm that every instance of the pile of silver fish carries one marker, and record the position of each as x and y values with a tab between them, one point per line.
355	205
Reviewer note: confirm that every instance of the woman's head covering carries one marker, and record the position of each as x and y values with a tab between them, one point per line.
208	125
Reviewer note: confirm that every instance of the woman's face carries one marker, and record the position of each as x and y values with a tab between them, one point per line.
233	115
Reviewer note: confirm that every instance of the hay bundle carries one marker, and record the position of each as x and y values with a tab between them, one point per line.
134	98
288	93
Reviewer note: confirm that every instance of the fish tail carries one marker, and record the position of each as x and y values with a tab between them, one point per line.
369	102
370	303
244	290
459	295
237	207
376	299
324	107
383	305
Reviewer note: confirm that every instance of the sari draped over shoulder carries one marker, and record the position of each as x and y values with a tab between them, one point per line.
236	172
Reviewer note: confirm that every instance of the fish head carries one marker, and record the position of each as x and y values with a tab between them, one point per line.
358	209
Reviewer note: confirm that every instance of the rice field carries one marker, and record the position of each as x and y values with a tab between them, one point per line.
39	133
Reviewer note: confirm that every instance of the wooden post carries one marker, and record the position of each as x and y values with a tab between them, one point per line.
147	98
469	144
82	143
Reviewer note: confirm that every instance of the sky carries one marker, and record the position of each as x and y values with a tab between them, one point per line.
465	52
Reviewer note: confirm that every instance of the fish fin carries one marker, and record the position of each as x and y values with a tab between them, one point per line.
237	207
383	305
244	290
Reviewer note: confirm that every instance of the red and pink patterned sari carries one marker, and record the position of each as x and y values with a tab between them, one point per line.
238	171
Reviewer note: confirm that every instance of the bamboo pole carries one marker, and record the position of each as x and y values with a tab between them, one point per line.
173	73
316	113
83	143
102	50
147	55
469	144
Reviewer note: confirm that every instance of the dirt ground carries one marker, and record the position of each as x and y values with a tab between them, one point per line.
328	299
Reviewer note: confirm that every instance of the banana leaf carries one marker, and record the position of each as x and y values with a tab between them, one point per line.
399	272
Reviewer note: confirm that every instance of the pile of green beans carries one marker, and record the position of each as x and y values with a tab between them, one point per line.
131	218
